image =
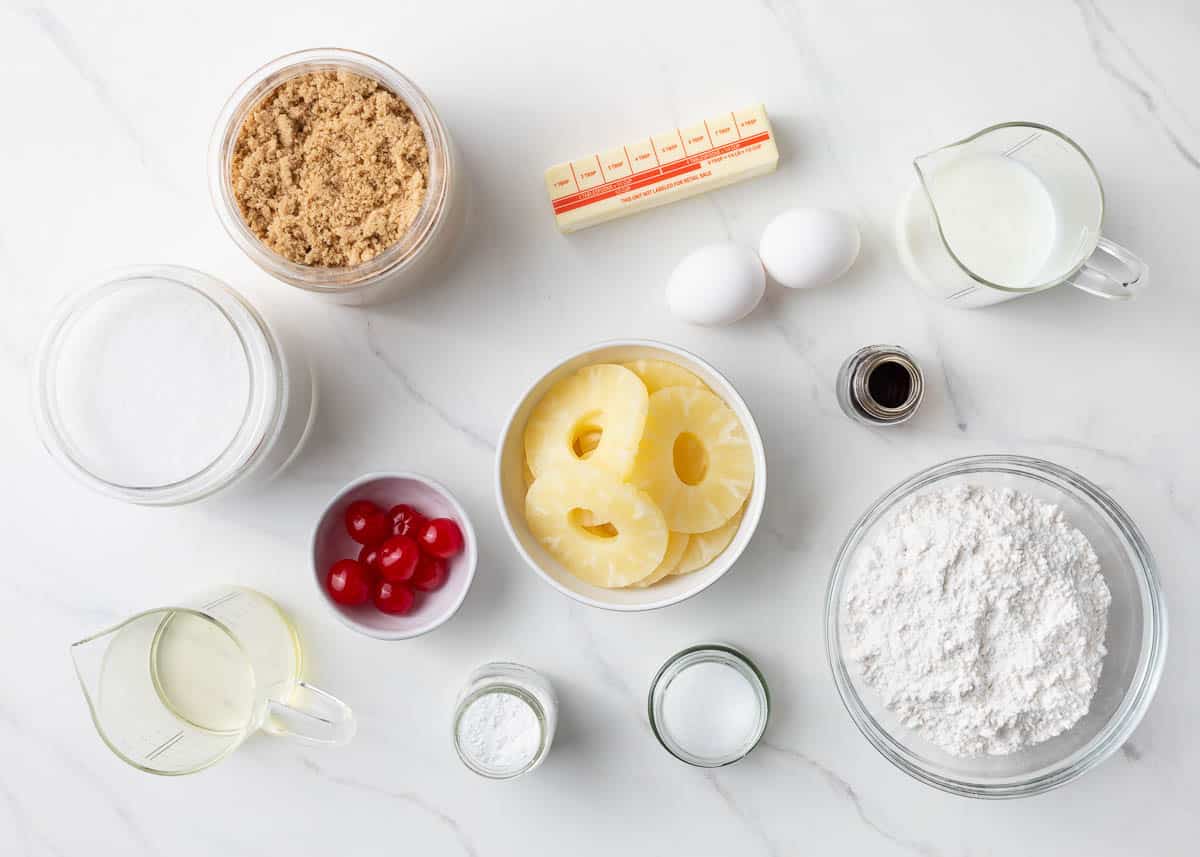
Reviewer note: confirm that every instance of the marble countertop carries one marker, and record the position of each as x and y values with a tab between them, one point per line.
108	111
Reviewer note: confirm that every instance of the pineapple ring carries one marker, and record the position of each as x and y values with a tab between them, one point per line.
553	510
603	406
703	548
694	459
585	445
657	374
676	547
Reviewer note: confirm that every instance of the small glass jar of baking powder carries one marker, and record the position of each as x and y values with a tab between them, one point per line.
709	705
411	261
504	720
161	385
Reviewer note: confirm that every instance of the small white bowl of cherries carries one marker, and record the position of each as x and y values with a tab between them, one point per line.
394	555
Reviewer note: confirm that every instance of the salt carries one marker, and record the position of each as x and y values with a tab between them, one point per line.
711	711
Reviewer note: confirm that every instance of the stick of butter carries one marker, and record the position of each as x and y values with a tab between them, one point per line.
662	168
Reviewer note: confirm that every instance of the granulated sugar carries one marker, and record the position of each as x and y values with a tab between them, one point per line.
152	383
978	616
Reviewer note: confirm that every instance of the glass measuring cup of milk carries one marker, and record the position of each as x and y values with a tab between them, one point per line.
1011	210
176	689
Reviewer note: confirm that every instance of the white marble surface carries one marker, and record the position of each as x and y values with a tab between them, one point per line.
107	111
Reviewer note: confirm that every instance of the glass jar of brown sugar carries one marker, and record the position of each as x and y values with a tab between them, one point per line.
412	260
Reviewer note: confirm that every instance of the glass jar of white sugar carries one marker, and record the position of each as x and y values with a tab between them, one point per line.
709	705
504	721
161	385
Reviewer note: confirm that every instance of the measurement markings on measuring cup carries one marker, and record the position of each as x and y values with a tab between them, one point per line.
164	746
228	596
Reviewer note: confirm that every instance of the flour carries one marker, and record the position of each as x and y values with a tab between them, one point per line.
500	732
978	616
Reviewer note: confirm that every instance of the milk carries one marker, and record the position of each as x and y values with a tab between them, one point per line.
997	216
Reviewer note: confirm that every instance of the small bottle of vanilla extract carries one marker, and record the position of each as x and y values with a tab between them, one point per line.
880	385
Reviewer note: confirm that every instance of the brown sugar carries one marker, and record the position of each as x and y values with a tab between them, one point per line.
330	169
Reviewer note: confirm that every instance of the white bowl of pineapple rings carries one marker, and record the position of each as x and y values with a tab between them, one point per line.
631	476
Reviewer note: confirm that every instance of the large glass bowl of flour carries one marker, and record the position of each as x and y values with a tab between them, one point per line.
1135	638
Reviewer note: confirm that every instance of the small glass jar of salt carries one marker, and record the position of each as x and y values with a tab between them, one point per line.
709	705
504	721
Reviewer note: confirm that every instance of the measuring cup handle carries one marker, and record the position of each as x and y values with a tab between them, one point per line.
312	716
1094	281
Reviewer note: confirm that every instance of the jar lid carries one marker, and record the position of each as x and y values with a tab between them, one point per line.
157	385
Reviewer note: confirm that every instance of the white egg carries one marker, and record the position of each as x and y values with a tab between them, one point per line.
717	284
808	247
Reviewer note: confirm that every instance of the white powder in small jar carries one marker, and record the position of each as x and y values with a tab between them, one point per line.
711	711
500	732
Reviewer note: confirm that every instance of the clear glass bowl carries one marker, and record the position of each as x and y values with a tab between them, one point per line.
1136	638
410	261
